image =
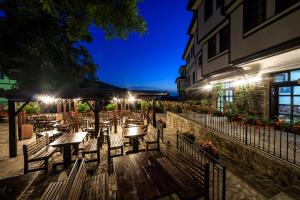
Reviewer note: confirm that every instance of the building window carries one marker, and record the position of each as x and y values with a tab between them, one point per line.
254	13
224	39
212	47
200	60
218	3
226	97
208	9
194	77
288	95
281	5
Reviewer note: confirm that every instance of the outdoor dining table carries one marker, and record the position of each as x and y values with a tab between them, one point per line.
51	133
140	177
134	133
66	141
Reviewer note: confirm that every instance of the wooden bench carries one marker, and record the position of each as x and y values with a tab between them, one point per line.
93	146
39	150
78	185
152	138
190	188
115	143
198	173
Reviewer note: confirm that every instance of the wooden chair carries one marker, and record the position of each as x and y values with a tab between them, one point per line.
93	146
114	143
150	139
37	151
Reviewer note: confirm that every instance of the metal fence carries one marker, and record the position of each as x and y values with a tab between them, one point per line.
217	172
278	143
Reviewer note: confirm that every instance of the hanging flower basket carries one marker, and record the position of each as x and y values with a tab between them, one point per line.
210	148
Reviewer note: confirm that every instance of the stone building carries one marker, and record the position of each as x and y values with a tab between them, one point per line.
236	43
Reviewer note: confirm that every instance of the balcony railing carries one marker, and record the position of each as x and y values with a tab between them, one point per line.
277	143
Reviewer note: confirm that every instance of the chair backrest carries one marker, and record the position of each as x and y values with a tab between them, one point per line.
78	182
70	180
35	146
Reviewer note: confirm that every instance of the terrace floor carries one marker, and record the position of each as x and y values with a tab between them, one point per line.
237	187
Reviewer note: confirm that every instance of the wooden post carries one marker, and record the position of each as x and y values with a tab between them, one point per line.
96	113
115	123
76	115
65	106
58	107
148	113
12	129
154	112
70	104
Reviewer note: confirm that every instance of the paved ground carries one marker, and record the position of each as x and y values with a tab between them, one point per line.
237	188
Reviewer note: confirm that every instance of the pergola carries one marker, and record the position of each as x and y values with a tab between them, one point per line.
96	95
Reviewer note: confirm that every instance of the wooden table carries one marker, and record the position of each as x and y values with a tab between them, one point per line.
51	133
15	187
139	177
134	133
66	141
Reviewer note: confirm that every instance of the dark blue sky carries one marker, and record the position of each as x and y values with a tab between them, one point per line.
151	60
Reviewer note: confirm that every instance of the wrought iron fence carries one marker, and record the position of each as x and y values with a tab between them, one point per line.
278	143
217	172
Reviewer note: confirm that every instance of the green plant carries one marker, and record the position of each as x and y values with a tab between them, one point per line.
242	100
110	106
32	108
145	105
159	107
219	90
83	107
177	109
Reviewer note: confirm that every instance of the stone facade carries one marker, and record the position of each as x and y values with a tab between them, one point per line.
278	174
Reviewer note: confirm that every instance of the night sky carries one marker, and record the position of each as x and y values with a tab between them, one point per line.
150	61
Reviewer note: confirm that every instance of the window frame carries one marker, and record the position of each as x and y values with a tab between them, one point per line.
248	13
210	45
224	39
208	9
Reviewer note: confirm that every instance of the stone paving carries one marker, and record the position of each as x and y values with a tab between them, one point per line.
236	188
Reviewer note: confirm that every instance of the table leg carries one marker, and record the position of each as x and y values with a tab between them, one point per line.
67	155
135	144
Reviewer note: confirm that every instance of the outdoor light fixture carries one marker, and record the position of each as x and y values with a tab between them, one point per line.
46	99
131	98
245	81
208	87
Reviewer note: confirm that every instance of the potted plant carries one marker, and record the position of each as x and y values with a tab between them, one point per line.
162	122
191	136
210	148
217	113
295	128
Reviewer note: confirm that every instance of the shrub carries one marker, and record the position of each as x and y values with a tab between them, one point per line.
83	107
32	108
110	106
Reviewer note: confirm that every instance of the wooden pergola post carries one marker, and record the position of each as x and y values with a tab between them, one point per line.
12	129
96	112
76	115
154	112
12	134
64	106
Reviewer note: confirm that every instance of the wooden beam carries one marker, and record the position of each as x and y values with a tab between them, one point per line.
12	129
20	109
76	115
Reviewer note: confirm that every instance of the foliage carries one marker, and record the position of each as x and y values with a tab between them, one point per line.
159	107
110	106
190	135
32	108
83	107
145	105
210	148
42	41
242	100
219	90
218	113
176	109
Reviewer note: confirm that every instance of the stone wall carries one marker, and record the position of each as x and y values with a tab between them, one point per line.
280	172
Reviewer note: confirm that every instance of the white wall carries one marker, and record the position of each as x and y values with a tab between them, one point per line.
278	32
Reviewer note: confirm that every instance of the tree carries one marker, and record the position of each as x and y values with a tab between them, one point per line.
41	41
